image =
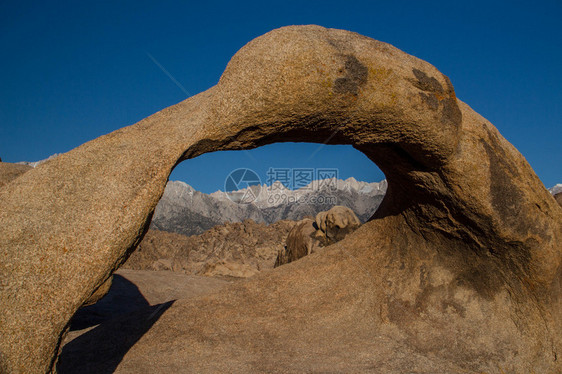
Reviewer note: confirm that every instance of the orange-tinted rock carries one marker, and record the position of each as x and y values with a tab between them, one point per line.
558	198
9	172
308	235
300	242
459	270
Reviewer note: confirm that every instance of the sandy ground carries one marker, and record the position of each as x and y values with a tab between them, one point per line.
134	296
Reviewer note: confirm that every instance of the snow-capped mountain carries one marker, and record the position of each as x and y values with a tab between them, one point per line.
36	163
556	189
187	211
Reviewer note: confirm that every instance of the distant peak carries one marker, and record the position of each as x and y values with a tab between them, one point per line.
36	163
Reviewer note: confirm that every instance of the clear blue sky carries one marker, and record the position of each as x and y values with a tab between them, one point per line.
72	71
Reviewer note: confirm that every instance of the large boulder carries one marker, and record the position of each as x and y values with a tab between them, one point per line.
300	242
307	235
336	223
458	271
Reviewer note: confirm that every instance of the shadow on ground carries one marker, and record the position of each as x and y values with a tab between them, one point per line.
124	297
123	316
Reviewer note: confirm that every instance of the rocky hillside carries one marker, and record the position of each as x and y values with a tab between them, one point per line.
239	249
187	211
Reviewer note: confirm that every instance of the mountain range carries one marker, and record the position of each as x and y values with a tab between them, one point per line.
184	210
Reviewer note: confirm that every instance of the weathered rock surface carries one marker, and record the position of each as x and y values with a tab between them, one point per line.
300	242
308	235
99	293
9	172
558	198
135	300
459	269
239	249
336	223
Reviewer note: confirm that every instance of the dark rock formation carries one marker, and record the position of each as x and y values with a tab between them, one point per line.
459	270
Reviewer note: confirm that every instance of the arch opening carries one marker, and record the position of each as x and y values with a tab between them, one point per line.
231	191
359	186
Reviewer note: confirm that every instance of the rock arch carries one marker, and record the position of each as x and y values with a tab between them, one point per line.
466	239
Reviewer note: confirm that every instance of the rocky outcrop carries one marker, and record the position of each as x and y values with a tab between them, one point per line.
459	269
335	224
160	250
239	250
300	242
308	235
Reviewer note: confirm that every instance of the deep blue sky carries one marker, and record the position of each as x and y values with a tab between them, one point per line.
71	71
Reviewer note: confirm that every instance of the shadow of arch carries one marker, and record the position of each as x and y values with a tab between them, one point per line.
123	297
100	350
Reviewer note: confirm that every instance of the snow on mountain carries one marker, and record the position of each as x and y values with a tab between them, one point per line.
187	211
36	163
556	189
